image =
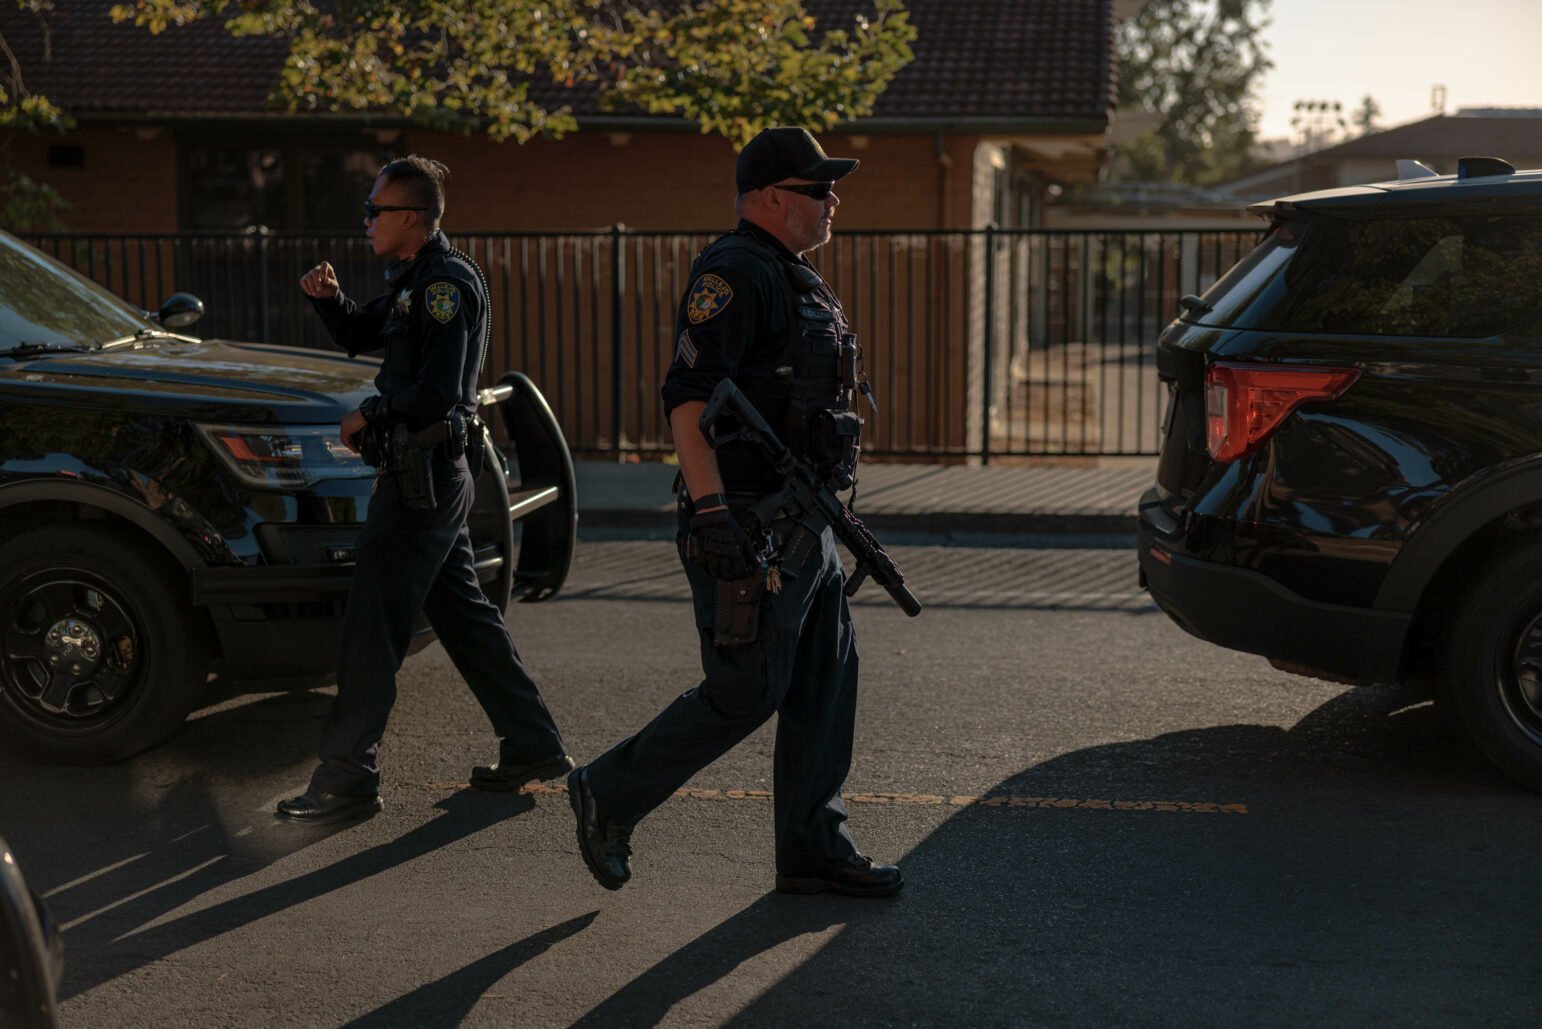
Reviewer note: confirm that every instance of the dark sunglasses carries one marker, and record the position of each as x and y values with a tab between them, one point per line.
814	190
373	210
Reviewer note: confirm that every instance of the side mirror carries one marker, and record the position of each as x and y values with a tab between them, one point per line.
179	311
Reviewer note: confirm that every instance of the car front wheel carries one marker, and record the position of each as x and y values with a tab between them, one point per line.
1491	665
101	655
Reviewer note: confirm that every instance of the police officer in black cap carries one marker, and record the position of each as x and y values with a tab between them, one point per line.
777	640
414	553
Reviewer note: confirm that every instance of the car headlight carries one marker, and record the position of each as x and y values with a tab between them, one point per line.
285	456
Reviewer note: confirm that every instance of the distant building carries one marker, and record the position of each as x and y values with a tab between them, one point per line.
1514	134
1147	206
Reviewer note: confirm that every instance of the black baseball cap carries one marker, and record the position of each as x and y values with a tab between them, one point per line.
787	153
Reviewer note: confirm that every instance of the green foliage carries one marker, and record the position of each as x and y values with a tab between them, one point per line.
26	204
1196	64
731	66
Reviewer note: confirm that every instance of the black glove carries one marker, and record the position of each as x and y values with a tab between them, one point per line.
718	544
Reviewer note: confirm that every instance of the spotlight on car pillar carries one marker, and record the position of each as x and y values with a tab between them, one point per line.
179	311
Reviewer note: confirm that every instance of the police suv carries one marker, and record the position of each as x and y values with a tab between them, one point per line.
175	510
1350	481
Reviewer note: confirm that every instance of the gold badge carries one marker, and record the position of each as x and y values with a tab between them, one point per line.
443	300
404	302
708	299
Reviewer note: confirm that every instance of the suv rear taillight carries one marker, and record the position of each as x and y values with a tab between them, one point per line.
1244	403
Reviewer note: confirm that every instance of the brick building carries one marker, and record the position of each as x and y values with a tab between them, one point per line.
175	133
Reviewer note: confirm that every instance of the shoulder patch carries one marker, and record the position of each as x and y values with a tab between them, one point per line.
709	297
442	299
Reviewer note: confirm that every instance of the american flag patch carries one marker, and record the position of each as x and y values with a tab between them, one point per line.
685	350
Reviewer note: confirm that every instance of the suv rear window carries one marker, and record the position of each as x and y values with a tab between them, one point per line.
1467	276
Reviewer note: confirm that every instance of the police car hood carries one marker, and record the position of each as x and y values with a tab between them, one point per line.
257	381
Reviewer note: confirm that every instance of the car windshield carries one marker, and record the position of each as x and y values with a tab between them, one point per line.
1458	277
43	302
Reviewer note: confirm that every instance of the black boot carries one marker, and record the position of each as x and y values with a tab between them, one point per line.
314	807
858	877
514	770
605	846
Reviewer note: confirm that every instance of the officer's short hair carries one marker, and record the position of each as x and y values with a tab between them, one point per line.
424	178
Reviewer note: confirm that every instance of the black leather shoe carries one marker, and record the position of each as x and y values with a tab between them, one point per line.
314	807
510	773
605	846
858	877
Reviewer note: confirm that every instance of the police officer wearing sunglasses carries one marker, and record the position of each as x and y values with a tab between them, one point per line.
776	641
414	553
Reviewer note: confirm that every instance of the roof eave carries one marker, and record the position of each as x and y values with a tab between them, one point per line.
953	125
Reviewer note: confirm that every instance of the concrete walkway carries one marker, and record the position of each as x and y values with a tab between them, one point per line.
948	501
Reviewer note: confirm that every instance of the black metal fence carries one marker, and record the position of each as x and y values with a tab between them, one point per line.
979	343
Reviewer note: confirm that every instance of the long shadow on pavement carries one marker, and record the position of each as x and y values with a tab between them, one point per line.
1379	874
118	848
447	1001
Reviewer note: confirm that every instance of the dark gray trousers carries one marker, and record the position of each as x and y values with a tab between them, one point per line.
803	669
411	562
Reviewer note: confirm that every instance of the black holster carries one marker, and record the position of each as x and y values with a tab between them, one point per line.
414	468
476	445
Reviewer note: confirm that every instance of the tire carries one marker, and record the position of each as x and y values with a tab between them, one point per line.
1491	663
101	654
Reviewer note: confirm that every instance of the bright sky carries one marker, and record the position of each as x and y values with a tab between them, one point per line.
1487	53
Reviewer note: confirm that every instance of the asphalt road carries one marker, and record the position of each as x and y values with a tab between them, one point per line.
1101	822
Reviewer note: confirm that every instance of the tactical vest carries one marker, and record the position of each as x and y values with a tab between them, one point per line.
807	389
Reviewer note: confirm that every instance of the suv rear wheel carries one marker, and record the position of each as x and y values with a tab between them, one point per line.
1491	665
101	655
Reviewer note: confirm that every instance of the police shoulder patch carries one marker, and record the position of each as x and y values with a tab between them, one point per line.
709	297
442	300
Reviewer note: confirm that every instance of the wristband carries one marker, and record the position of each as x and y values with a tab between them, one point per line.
710	500
372	408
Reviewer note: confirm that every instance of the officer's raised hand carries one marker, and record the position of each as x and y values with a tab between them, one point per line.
719	545
320	282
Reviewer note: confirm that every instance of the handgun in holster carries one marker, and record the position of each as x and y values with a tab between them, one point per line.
414	467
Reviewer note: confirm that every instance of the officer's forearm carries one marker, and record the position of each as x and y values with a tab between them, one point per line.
698	461
356	329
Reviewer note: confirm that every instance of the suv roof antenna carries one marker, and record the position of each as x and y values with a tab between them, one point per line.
1477	167
1411	169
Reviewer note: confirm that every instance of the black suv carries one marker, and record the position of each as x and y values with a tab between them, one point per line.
175	509
1350	481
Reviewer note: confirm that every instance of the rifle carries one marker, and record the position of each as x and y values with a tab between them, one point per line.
807	488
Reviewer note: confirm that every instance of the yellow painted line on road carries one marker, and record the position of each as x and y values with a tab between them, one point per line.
1003	800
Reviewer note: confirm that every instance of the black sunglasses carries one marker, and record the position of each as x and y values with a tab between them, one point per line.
814	190
373	210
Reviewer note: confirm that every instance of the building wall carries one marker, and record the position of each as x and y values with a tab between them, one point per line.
681	181
675	180
126	183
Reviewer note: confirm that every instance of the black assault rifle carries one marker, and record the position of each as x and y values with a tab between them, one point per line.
809	491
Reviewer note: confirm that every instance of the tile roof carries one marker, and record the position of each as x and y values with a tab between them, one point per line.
1006	59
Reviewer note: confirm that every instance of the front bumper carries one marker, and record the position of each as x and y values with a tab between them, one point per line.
1241	609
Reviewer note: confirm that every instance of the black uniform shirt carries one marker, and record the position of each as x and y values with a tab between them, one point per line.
430	327
736	312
